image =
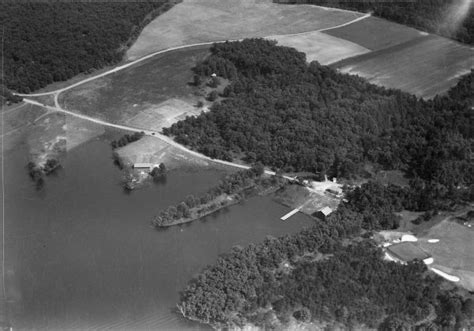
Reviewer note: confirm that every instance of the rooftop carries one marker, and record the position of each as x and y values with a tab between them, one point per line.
326	211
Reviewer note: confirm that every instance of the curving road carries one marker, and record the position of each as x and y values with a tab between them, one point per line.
154	134
157	135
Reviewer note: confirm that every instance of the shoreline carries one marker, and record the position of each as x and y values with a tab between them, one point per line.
230	200
192	219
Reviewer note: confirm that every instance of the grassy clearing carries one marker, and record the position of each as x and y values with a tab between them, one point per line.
454	253
196	21
136	94
321	47
375	33
425	67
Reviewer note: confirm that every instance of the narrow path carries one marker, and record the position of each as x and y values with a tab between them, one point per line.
124	66
57	107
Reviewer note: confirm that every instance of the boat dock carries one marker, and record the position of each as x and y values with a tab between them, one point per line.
291	213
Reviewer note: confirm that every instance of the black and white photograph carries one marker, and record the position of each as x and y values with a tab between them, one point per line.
242	165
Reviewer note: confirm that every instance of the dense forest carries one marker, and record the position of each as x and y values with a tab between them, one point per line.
49	41
297	117
285	114
449	18
316	276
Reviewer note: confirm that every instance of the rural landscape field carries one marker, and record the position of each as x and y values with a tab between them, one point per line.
237	164
215	20
321	47
375	33
425	66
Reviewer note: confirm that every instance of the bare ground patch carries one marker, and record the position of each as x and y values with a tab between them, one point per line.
196	21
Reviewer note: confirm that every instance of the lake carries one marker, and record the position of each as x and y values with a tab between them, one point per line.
81	254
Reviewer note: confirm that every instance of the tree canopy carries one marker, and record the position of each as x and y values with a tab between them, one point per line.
297	117
50	41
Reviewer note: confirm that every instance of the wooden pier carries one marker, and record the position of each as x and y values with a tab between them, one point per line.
291	213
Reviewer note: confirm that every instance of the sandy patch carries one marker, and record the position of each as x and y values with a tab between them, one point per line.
321	47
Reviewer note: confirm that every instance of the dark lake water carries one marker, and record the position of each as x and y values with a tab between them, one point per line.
81	254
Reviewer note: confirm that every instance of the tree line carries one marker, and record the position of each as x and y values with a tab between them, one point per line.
52	41
127	139
315	275
435	16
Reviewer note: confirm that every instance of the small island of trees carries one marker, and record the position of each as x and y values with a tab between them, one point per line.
230	190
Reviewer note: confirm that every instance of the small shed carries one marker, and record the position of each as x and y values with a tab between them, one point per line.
142	166
323	213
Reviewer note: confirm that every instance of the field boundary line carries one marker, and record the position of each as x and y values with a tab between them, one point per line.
146	57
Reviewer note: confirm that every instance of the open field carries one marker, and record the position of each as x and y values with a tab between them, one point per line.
425	66
196	21
454	253
321	47
375	33
122	96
